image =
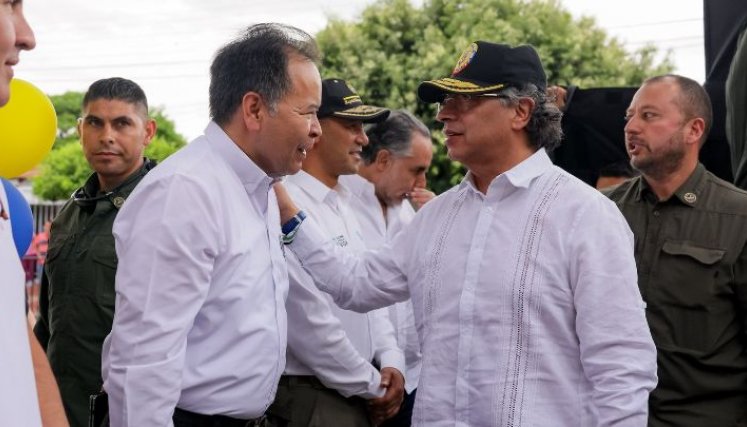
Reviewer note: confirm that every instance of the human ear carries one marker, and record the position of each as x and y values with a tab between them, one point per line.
252	110
523	110
150	131
383	160
696	129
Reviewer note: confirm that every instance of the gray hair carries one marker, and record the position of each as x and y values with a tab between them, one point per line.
393	134
256	61
544	124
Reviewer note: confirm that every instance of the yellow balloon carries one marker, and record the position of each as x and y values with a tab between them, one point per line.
28	126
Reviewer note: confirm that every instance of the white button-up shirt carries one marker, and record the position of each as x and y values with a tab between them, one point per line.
335	345
19	406
377	230
200	319
525	300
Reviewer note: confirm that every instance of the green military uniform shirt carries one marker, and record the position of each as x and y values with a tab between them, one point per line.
692	272
77	293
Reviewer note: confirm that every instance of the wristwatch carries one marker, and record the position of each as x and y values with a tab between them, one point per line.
290	228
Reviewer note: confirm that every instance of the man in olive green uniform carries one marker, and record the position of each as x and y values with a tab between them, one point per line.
690	233
77	293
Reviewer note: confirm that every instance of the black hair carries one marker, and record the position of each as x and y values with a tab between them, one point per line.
256	61
116	88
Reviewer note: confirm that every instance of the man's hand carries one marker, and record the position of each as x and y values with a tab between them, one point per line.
558	94
388	405
420	196
287	208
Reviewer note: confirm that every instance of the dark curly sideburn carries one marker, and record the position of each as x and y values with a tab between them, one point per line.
544	125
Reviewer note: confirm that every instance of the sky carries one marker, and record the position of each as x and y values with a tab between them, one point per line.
166	46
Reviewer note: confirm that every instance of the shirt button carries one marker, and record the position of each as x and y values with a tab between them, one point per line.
656	213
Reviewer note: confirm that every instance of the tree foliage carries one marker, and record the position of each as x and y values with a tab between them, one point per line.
394	46
65	168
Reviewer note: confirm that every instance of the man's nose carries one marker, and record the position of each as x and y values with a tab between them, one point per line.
315	131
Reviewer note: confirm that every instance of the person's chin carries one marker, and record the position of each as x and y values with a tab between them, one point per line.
453	155
294	168
103	166
4	91
351	169
637	161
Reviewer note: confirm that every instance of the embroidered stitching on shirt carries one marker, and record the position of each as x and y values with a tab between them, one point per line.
433	284
518	364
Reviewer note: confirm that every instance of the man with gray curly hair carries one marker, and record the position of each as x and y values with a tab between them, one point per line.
522	277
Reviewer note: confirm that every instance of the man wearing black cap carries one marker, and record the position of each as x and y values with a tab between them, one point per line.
329	373
522	277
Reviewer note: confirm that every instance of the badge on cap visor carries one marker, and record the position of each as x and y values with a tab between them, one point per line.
465	59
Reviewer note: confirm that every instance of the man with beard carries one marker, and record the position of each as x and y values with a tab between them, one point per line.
690	232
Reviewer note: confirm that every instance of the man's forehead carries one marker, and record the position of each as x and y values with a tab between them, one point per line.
659	94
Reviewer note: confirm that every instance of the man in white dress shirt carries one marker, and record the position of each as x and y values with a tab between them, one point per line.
28	390
390	181
522	277
329	373
199	333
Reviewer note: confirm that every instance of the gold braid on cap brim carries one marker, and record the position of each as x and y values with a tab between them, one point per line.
364	111
461	86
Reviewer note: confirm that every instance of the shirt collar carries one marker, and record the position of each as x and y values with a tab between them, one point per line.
357	185
251	176
316	189
521	175
91	187
688	193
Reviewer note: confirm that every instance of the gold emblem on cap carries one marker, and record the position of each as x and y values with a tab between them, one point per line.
350	99
690	197
118	201
465	59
